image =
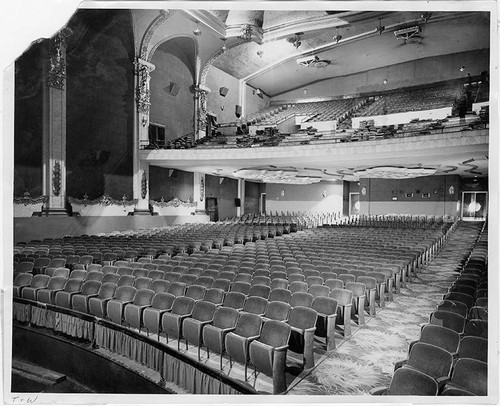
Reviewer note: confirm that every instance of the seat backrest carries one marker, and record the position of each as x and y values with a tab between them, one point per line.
255	305
261	280
301	299
302	317
298	287
107	290
440	337
259	290
357	288
197	292
277	311
125	293
90	287
203	311
471	375
431	360
275	333
61	272
234	300
23	279
206	281
125	270
73	285
473	347
143	297
225	317
142	282
369	281
407	381
183	305
126	280
477	328
214	295
94	276
56	282
342	296
281	295
319	290
177	288
223	284
461	297
448	319
111	277
454	307
334	284
241	287
162	301
160	285
325	305
248	325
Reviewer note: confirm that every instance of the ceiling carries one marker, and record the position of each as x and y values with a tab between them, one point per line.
361	48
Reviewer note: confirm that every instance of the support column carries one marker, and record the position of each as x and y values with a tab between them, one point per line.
54	126
141	135
199	192
241	195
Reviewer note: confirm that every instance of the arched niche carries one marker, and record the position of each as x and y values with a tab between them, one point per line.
171	86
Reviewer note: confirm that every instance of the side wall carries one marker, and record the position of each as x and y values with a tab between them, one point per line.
172	102
223	107
252	196
421	71
326	197
225	191
167	183
406	196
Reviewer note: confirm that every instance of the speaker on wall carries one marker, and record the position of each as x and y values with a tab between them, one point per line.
173	89
237	111
223	91
237	202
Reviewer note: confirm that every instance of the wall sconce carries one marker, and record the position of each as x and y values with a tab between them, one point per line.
462	68
144	121
305	91
385	81
324	194
282	193
224	47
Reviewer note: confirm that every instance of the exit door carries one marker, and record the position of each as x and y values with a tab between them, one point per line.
474	205
212	208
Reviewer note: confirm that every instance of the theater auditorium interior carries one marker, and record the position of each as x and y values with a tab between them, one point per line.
255	200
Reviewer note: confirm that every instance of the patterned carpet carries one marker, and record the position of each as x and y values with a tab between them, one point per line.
366	359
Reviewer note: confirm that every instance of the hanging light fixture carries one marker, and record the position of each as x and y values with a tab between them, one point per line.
197	31
224	47
295	40
337	37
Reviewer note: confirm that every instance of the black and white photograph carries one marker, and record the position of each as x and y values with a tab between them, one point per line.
250	202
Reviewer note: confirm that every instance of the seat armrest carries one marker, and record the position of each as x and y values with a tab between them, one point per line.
399	364
442	380
282	348
379	390
252	338
227	330
94	295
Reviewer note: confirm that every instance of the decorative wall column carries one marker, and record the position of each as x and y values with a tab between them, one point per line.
200	108
143	71
241	195
199	192
54	126
141	188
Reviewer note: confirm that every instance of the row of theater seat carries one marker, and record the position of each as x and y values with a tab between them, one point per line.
451	356
266	278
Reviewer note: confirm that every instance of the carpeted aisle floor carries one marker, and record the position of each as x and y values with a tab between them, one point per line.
366	359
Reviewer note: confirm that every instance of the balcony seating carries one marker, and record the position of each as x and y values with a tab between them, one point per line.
133	311
21	280
469	378
171	322
44	291
98	304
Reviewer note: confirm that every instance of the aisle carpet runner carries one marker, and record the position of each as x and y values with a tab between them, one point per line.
366	360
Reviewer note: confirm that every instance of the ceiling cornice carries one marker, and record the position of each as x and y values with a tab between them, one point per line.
209	20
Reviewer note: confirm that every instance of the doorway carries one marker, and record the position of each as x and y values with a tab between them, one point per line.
262	203
474	205
212	208
353	204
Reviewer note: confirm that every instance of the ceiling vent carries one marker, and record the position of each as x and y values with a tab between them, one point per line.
410	35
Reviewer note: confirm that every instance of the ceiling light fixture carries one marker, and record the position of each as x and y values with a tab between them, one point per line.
224	47
380	29
462	68
426	16
295	40
260	52
197	31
